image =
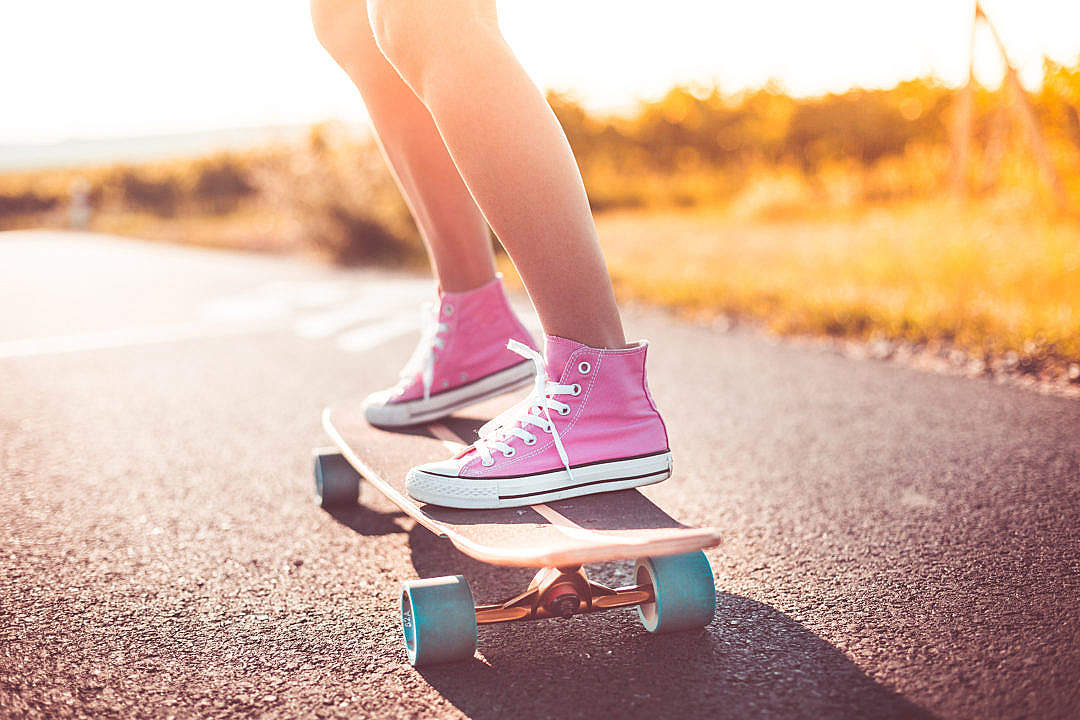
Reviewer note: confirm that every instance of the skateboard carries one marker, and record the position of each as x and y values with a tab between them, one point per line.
673	582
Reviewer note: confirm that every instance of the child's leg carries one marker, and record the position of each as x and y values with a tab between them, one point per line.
511	152
453	229
461	357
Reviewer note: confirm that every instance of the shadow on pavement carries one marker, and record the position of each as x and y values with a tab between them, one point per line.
752	660
366	521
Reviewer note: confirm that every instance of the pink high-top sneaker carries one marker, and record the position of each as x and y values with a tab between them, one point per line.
589	426
461	359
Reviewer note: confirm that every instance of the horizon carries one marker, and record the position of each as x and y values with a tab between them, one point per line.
279	76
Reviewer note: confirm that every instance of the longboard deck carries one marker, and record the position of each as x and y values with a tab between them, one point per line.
594	528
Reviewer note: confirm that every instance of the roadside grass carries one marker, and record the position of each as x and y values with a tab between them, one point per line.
1003	289
248	228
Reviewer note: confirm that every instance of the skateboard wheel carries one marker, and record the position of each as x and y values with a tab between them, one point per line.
684	590
438	620
336	482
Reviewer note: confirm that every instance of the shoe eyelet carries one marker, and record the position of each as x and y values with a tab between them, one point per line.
487	463
446	383
564	411
530	440
509	453
584	367
448	309
464	377
549	428
576	390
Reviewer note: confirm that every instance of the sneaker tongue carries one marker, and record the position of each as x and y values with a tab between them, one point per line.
557	351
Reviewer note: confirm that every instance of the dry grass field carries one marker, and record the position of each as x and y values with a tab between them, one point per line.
999	289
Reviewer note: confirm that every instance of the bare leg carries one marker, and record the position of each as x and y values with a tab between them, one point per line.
511	152
454	231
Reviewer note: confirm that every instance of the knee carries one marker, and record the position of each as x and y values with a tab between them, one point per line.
341	26
415	34
404	32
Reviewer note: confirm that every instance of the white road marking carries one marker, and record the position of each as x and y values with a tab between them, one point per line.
266	308
276	299
105	339
335	306
914	499
371	336
327	323
308	293
244	308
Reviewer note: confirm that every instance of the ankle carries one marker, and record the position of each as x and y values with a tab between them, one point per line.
466	285
595	338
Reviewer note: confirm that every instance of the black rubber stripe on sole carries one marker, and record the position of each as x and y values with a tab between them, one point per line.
544	472
468	399
592	482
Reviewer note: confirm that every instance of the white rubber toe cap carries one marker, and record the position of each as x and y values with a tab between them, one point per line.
378	410
450	466
438	483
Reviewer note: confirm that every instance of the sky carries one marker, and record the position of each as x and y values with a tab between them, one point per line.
122	68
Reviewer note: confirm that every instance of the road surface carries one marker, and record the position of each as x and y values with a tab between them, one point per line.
898	544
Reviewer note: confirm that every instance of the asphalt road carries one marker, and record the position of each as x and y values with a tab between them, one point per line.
898	543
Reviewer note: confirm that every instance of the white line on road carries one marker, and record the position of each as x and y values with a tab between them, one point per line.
371	336
327	323
121	337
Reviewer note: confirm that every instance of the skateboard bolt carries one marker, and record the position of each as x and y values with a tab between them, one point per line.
565	605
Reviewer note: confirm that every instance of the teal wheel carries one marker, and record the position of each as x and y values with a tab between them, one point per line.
336	482
438	620
684	591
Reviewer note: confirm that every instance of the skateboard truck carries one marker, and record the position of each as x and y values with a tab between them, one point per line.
562	593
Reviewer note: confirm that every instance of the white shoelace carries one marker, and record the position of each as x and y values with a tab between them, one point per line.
423	357
534	410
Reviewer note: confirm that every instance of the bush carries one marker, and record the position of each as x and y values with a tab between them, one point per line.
140	190
346	203
25	203
220	185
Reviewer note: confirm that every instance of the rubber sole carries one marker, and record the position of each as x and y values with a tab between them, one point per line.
414	412
519	491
